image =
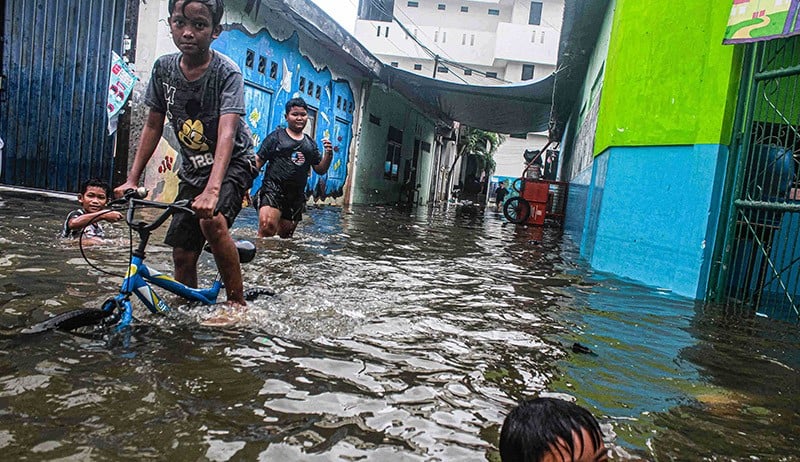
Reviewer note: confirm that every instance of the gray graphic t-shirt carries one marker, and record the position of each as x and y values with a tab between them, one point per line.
194	109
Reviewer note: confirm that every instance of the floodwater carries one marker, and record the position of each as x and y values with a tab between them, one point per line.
392	337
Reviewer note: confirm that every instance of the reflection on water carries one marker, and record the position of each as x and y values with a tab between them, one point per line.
391	337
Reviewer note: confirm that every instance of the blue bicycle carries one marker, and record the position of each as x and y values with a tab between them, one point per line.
118	310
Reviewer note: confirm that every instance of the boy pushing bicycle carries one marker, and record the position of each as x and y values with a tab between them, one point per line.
202	93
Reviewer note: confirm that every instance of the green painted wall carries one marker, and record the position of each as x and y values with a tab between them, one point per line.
369	184
668	78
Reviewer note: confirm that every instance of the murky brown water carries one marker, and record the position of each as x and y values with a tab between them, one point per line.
392	337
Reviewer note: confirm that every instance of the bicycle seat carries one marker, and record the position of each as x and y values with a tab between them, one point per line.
246	249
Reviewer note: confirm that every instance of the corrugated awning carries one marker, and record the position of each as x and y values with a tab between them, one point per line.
514	108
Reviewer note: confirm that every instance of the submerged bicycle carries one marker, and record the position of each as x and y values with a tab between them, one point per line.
117	311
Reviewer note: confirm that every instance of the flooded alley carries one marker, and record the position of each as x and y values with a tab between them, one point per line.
393	336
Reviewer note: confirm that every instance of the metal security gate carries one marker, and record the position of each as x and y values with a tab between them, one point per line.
760	268
56	57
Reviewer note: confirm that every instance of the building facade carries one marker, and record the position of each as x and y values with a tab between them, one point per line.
683	161
498	42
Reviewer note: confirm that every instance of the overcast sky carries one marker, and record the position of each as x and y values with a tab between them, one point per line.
343	11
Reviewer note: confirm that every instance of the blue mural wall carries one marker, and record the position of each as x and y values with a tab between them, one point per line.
275	72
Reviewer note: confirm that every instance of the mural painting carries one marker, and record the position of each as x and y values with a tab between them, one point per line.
754	20
275	72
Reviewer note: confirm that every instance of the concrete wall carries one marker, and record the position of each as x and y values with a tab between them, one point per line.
646	206
669	80
386	109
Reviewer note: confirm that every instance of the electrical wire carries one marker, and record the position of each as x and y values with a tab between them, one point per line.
430	52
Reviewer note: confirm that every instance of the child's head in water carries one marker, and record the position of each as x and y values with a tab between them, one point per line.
94	195
551	430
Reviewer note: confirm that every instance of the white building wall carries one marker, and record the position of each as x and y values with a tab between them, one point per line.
488	43
509	158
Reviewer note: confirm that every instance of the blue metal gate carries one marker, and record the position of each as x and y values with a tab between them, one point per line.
55	63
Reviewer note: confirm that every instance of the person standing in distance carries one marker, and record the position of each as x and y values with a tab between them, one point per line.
291	153
202	93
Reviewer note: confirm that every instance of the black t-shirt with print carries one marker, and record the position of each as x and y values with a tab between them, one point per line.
290	160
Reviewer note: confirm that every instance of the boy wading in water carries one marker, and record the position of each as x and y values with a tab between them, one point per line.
291	153
85	221
202	93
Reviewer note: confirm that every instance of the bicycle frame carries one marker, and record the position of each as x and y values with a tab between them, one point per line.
137	281
139	276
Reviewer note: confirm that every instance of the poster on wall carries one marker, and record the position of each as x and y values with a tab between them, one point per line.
120	86
757	20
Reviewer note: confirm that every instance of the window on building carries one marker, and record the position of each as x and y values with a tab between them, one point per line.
394	64
262	64
310	88
273	70
442	69
249	58
417	67
472	40
494	12
302	84
436	36
527	71
441	6
319	92
394	150
491	75
413	4
373	119
311	125
378	33
465	9
541	40
535	16
464	39
338	102
386	31
533	37
467	71
376	10
444	36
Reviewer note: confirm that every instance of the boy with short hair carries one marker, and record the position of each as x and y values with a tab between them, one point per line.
85	221
291	153
202	93
551	430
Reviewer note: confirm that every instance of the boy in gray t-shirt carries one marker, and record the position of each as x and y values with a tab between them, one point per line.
202	93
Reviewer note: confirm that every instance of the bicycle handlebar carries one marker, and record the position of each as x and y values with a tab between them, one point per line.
135	197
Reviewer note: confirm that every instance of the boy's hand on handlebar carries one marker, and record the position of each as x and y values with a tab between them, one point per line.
112	216
204	204
120	190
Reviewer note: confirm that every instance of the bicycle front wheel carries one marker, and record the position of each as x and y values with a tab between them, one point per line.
69	320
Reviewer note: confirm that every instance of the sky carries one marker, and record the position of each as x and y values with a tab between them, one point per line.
343	11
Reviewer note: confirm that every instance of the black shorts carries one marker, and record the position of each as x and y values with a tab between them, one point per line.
184	232
291	204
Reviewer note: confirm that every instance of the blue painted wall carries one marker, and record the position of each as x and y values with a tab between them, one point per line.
275	72
652	214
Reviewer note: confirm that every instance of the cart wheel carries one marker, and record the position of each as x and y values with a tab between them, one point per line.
516	185
517	210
